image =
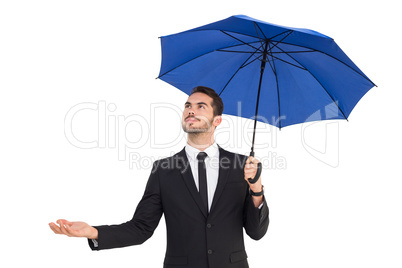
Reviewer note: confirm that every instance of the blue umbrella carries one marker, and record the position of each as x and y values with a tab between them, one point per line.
277	75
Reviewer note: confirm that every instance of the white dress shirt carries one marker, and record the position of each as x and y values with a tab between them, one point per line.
211	164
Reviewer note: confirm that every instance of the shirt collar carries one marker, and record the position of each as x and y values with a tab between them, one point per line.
192	152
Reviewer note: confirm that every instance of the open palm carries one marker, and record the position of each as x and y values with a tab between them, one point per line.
74	229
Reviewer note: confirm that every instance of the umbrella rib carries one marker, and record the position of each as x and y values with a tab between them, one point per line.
234	51
220	50
290	31
276	45
240	40
315	50
257	34
280	41
279	100
249	35
320	84
238	45
256	58
273	67
255	26
183	64
303	68
241	66
293	52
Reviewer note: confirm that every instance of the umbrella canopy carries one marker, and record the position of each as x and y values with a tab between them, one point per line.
274	74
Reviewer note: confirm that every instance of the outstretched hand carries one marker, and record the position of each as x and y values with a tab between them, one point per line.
74	229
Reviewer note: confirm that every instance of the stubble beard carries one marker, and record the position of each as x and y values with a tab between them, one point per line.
199	130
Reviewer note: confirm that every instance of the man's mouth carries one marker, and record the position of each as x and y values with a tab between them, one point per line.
191	119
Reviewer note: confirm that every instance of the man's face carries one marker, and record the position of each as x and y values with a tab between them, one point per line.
198	115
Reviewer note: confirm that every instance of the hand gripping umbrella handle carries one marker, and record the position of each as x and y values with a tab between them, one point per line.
258	174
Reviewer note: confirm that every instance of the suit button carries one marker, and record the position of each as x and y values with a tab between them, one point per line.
209	225
209	251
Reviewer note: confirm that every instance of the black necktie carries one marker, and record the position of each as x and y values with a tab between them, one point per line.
202	179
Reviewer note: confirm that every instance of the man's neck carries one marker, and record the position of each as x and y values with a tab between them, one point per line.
201	141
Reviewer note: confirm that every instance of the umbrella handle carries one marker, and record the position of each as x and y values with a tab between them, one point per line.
258	174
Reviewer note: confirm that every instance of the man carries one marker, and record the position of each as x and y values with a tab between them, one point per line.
204	194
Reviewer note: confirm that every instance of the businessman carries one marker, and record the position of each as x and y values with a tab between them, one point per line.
203	192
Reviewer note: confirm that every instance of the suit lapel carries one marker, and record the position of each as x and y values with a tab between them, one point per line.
188	179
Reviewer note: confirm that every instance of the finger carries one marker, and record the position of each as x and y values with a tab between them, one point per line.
250	167
66	222
62	227
55	228
68	230
254	164
249	176
249	159
250	171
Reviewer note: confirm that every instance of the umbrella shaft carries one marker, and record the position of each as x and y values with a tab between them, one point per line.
263	62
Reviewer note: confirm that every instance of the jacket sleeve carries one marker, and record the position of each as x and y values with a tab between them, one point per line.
256	220
141	227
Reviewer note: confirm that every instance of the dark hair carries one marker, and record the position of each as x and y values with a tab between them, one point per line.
217	104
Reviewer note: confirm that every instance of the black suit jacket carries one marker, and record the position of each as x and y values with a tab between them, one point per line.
195	239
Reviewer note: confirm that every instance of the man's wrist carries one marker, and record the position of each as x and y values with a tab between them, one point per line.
257	190
94	233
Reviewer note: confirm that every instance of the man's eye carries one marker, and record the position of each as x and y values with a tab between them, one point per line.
201	106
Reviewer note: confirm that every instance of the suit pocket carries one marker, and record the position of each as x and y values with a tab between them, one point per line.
175	260
238	256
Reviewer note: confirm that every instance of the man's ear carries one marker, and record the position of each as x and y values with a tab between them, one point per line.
217	120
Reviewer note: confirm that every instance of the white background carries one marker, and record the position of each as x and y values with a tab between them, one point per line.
336	201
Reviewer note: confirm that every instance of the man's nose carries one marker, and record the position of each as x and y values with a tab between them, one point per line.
190	112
